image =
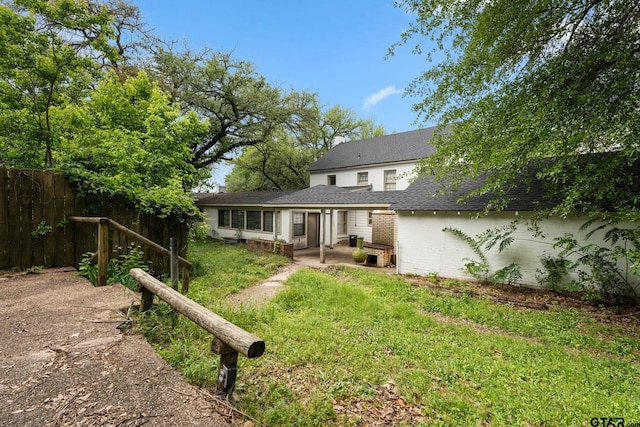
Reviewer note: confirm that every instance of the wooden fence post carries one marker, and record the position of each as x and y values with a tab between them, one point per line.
146	302
228	366
173	261
229	339
185	280
103	251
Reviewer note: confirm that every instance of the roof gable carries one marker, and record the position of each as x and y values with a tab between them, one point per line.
399	147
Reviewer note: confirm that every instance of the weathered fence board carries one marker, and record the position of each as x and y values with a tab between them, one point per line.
35	231
39	227
15	222
4	215
66	205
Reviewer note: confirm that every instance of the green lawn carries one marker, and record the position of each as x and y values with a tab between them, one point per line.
353	346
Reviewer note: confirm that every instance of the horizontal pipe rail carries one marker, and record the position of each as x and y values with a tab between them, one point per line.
233	336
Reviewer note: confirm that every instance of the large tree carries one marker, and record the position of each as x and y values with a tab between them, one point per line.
52	53
242	108
129	140
45	48
282	161
521	81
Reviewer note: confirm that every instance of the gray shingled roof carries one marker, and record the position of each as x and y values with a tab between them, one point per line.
332	195
423	194
398	147
239	198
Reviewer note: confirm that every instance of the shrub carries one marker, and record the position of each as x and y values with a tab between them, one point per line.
118	268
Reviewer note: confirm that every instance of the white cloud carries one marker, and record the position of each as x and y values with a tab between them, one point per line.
374	98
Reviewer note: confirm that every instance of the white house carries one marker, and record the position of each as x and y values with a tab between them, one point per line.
384	163
357	179
348	184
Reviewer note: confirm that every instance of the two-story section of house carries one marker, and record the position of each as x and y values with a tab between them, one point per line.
383	163
379	164
348	185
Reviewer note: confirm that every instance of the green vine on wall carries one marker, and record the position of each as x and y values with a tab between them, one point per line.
41	229
595	268
502	237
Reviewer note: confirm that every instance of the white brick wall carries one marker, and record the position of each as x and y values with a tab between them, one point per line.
424	248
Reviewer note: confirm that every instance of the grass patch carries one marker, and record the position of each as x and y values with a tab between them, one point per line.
353	346
222	269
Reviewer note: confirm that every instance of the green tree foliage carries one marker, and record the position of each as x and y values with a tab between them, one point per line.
278	164
282	162
527	80
129	140
49	51
242	108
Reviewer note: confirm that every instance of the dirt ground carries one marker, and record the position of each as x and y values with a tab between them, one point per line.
623	315
65	362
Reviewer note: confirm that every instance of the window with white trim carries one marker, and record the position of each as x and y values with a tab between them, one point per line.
224	218
237	219
390	180
363	178
298	224
254	220
267	221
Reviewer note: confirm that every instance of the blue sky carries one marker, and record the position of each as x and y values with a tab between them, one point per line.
335	48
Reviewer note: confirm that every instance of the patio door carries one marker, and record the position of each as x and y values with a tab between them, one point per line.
313	231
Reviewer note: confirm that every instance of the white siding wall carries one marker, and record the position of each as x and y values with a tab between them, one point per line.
286	224
349	177
424	248
358	224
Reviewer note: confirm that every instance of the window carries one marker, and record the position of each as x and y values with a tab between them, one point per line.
342	222
331	180
363	178
224	218
254	220
298	224
237	219
390	180
267	221
370	218
251	220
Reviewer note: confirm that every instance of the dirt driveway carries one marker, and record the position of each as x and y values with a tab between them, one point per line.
64	362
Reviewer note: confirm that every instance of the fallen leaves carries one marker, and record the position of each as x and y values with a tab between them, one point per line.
387	407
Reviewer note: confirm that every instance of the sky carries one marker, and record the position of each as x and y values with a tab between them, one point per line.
335	48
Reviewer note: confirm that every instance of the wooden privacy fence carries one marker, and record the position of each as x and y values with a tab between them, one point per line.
229	339
102	253
35	230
